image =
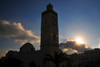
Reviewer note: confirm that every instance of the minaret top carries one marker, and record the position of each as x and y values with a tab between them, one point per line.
49	6
49	10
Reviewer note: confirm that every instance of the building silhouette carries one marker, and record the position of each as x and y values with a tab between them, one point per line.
86	57
49	41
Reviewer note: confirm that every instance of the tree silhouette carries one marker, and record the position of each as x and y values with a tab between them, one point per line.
57	59
32	64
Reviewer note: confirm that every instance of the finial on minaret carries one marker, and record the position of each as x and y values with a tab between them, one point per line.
49	6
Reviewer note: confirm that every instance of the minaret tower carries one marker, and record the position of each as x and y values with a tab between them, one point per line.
49	27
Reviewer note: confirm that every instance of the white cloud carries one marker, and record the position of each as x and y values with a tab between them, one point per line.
73	46
16	32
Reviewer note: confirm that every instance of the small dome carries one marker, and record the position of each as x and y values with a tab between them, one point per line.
27	47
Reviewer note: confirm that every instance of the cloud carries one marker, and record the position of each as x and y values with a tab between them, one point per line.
69	50
16	32
2	55
73	46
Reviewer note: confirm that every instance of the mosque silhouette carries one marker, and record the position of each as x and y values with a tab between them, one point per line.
49	41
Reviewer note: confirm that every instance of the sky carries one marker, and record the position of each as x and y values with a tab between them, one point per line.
20	22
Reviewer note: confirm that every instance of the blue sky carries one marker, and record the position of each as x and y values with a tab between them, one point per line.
76	19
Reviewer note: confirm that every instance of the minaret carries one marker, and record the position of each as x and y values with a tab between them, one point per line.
49	27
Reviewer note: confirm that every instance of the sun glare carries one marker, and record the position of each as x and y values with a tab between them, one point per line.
79	40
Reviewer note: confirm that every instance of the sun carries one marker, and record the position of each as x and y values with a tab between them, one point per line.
79	40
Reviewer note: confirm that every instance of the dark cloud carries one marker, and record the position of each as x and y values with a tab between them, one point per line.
74	46
16	32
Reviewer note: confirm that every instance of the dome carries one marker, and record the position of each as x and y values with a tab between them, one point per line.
27	47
